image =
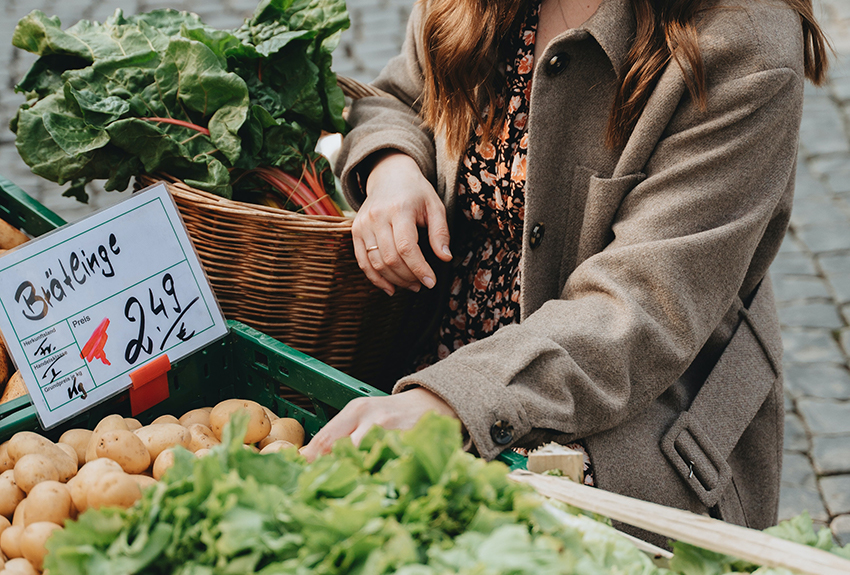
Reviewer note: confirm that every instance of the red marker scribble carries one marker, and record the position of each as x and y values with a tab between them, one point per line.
94	346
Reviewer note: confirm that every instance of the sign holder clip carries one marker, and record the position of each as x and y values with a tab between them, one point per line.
150	384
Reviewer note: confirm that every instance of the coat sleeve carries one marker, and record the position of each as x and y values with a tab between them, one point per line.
390	123
632	317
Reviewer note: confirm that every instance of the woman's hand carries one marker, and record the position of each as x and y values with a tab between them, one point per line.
400	411
398	199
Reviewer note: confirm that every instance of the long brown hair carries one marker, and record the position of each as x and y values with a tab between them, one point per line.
461	39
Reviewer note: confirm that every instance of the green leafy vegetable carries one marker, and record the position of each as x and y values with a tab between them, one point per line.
161	92
411	503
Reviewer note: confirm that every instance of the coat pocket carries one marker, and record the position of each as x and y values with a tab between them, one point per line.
602	200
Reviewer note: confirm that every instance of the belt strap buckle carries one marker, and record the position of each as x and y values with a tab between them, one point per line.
697	459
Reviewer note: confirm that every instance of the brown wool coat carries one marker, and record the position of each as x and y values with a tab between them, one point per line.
639	265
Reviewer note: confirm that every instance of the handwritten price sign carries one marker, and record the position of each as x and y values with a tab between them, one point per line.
88	304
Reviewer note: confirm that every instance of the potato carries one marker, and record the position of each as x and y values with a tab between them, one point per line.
79	485
6	462
115	489
276	446
49	501
6	366
33	539
157	438
10	494
125	448
33	468
258	422
285	429
112	422
162	463
270	414
19	518
144	481
79	440
201	437
10	541
26	443
19	566
202	452
4	524
165	419
10	236
201	416
132	424
15	388
70	451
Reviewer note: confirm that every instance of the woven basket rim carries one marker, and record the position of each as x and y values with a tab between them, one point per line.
234	207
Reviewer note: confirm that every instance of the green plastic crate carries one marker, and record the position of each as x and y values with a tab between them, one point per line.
246	364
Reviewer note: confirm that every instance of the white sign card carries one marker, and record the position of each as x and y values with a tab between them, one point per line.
86	305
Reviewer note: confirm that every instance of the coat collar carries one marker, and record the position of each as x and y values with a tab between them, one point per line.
613	26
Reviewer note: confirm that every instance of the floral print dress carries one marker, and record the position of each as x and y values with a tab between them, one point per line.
485	290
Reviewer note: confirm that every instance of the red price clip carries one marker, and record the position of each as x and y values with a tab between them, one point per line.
150	384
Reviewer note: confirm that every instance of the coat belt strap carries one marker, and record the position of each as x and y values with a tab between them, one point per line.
702	438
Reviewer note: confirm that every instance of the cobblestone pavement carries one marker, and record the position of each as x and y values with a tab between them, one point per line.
811	273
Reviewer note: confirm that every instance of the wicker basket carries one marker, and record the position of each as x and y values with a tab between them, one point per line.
295	277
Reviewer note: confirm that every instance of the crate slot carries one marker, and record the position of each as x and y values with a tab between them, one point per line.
283	370
261	359
206	370
296	398
175	382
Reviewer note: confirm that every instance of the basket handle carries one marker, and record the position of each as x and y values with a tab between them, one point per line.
355	89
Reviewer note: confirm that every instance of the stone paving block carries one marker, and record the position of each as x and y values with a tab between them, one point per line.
806	185
794	288
831	454
838	180
817	211
840	283
818	133
840	527
811	346
823	315
788	401
835	263
796	438
790	245
845	313
823	417
825	238
821	380
795	500
797	471
792	264
836	493
822	165
840	88
844	339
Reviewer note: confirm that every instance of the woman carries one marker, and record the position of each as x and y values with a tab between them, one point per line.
627	182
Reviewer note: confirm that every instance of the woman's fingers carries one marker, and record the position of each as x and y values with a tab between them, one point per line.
365	264
400	411
438	229
387	260
410	262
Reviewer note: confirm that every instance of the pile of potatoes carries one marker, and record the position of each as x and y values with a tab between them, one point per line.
44	483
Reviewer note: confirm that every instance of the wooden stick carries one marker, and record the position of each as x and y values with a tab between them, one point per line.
712	534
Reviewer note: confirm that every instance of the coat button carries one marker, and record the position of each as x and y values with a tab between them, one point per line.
557	63
537	231
502	432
